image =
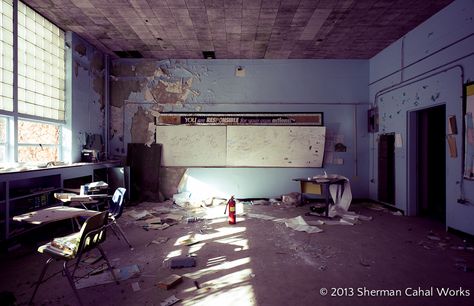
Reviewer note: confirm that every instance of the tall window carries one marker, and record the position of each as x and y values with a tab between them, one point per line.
39	108
41	72
6	59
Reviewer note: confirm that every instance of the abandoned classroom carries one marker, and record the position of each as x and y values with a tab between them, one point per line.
237	152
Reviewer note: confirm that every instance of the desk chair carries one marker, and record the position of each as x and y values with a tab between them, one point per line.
115	211
73	246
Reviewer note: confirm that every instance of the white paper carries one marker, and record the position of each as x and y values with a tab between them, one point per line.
398	140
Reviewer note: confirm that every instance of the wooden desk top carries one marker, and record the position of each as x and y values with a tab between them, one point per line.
52	214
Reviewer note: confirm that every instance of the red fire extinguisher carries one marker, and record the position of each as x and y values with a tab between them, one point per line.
232	216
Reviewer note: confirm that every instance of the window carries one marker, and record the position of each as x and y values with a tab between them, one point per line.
38	141
6	56
41	74
3	139
38	111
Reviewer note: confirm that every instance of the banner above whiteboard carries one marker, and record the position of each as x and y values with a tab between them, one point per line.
306	119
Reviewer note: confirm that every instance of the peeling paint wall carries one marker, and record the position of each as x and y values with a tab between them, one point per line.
88	95
434	80
141	89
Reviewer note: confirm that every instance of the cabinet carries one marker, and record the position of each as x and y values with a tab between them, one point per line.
30	194
25	191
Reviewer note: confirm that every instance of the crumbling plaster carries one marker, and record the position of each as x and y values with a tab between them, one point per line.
88	93
142	89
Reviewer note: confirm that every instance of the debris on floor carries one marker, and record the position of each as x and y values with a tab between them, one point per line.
170	301
158	240
299	224
293	198
123	273
156	226
193	219
138	214
189	241
260	202
170	281
173	218
135	286
341	221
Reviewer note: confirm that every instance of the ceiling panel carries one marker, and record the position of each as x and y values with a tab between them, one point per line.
253	29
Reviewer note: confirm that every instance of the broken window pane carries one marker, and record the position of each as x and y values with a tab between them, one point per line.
38	153
38	141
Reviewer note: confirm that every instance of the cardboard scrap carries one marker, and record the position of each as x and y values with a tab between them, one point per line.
156	226
170	281
138	214
299	224
173	217
153	220
136	286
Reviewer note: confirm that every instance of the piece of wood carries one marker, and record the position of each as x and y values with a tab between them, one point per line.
170	281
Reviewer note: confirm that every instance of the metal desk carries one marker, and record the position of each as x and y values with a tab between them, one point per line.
324	182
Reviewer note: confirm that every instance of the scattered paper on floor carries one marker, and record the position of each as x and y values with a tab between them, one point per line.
299	224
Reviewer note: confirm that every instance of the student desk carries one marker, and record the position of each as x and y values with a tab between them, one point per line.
314	185
83	200
53	214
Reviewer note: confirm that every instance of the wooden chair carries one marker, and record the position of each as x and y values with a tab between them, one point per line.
91	235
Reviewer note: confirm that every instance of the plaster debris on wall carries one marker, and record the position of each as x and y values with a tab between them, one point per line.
89	66
153	87
140	130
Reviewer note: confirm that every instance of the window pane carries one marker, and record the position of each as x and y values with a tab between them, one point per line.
6	56
37	153
3	155
3	139
41	49
31	132
3	130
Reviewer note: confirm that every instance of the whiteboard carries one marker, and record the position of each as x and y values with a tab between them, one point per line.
275	146
241	146
185	145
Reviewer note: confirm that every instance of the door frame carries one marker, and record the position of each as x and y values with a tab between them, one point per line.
412	208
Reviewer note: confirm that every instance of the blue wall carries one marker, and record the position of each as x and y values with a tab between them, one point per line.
86	80
336	87
435	59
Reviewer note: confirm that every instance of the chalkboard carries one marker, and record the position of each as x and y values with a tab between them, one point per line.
186	145
241	146
275	146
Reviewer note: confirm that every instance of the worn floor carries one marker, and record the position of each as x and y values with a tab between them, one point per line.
263	262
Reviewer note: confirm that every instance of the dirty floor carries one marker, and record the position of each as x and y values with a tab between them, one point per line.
389	260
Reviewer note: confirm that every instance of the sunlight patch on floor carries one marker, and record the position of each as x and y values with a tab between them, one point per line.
230	289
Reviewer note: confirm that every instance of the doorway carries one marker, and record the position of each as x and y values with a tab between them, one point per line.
386	169
428	133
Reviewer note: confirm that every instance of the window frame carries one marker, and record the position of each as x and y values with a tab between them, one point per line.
12	145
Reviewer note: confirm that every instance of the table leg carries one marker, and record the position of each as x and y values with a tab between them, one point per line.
326	193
